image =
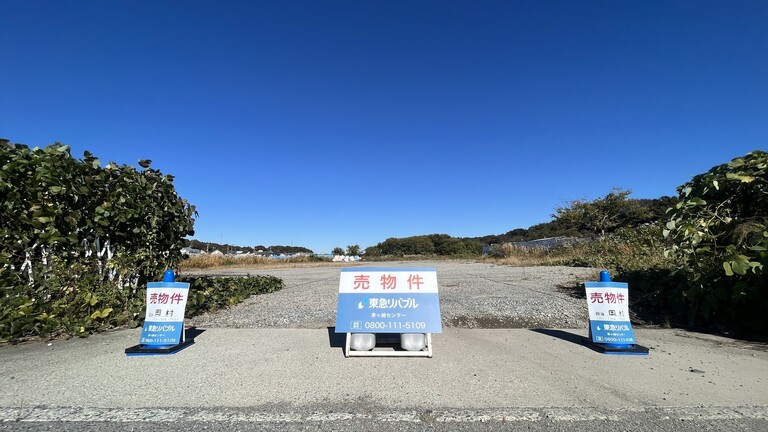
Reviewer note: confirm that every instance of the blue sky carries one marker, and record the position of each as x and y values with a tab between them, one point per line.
329	123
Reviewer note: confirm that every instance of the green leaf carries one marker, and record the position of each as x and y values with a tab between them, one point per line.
740	264
728	269
742	178
101	314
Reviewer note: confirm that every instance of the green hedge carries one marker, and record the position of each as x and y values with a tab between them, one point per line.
71	299
208	294
78	241
95	306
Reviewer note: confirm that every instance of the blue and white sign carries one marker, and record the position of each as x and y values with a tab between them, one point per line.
608	304
164	321
388	300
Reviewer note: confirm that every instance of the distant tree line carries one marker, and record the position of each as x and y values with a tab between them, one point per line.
228	248
582	218
432	244
579	218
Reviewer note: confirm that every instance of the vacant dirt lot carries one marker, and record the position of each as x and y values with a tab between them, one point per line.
472	295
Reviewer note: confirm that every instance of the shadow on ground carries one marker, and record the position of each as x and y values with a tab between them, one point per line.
192	332
559	334
336	340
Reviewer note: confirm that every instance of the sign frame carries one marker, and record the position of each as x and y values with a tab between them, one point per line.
163	330
388	300
599	296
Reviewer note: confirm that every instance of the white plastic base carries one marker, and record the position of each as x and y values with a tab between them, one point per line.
425	351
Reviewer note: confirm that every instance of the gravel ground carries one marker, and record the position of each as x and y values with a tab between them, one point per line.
472	295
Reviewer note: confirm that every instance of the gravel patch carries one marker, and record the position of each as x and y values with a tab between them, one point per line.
472	295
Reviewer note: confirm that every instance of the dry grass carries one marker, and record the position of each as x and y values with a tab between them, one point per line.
213	261
533	256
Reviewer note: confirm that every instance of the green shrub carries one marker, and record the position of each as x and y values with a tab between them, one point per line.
78	242
628	249
719	228
636	256
73	300
208	294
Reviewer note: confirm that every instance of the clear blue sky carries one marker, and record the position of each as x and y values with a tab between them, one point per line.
329	123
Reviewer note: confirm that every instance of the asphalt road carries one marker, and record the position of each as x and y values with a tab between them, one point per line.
277	378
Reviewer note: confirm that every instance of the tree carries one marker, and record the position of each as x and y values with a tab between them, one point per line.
353	250
657	207
603	214
338	251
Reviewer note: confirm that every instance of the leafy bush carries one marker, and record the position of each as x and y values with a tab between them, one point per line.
636	256
208	294
626	250
720	230
78	241
74	300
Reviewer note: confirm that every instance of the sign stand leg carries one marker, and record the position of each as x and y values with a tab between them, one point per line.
346	344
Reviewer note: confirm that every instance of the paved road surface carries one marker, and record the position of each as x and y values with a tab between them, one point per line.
298	379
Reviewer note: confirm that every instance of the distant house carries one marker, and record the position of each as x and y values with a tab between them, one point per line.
191	251
345	258
546	243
